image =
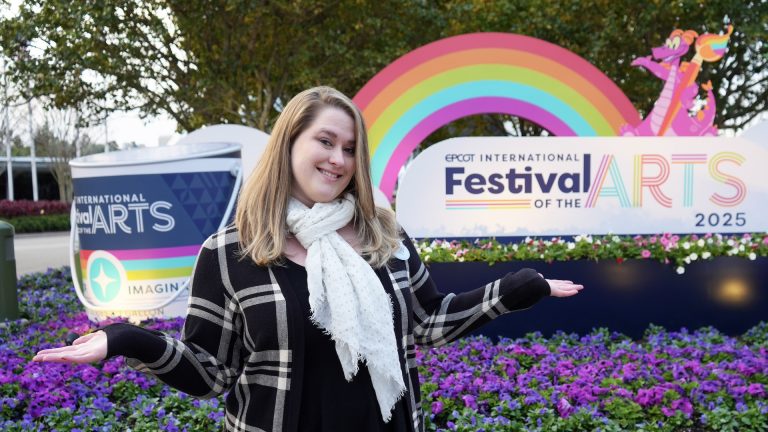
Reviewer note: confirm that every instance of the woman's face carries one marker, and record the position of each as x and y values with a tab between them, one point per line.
323	157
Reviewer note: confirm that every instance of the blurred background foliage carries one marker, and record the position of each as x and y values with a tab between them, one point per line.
237	61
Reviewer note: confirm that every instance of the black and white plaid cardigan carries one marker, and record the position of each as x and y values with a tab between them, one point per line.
244	332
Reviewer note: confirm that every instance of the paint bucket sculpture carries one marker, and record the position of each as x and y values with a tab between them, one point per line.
139	220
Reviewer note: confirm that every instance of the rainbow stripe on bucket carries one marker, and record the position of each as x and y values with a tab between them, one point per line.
483	73
145	264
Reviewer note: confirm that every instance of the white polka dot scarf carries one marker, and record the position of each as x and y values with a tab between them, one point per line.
347	299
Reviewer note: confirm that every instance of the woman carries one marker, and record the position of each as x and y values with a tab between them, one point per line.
308	309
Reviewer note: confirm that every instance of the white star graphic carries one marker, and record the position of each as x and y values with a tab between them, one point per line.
102	279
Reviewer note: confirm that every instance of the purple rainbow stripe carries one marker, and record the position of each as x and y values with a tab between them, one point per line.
467	107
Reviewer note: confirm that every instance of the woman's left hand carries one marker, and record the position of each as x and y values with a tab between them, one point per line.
562	288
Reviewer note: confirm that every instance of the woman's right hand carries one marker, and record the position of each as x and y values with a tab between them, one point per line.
85	349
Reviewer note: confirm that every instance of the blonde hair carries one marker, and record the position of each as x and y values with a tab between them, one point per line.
262	204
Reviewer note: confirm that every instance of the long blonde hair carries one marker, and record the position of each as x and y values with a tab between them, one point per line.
262	204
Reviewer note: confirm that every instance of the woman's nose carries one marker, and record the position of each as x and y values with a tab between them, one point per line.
337	156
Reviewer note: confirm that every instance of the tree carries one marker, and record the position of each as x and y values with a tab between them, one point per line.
202	62
236	61
18	148
58	139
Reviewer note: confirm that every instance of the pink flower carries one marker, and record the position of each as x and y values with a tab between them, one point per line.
645	253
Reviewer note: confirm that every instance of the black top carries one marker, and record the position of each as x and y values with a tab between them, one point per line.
328	401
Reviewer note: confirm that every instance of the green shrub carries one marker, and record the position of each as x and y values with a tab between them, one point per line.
42	223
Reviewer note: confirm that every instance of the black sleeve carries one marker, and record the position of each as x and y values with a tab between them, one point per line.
207	360
441	318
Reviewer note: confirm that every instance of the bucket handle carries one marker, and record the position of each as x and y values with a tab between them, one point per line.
236	171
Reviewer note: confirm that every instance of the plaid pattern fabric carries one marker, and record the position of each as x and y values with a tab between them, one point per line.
244	333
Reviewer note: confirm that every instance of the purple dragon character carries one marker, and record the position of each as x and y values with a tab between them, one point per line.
665	64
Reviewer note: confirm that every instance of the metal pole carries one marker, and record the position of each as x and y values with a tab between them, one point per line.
32	151
6	136
8	164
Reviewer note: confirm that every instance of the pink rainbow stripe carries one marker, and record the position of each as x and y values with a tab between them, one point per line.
142	254
496	40
484	105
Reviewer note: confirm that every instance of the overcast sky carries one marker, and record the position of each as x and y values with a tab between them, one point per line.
127	127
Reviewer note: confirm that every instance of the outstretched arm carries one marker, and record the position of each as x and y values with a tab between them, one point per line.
441	318
204	363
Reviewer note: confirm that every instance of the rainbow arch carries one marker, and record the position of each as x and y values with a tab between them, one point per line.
482	73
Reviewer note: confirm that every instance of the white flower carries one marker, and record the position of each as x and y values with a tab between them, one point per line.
733	251
710	241
687	260
686	245
693	256
706	255
730	242
741	248
461	259
571	245
428	249
616	239
527	239
752	256
514	247
744	240
680	270
700	243
541	256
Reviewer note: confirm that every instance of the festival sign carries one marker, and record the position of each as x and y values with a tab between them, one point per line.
487	186
140	218
548	186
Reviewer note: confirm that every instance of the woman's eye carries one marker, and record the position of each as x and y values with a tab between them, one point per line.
325	142
350	150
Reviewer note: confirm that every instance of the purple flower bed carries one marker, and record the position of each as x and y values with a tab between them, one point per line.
669	381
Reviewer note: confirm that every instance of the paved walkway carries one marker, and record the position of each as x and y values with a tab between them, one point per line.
37	252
